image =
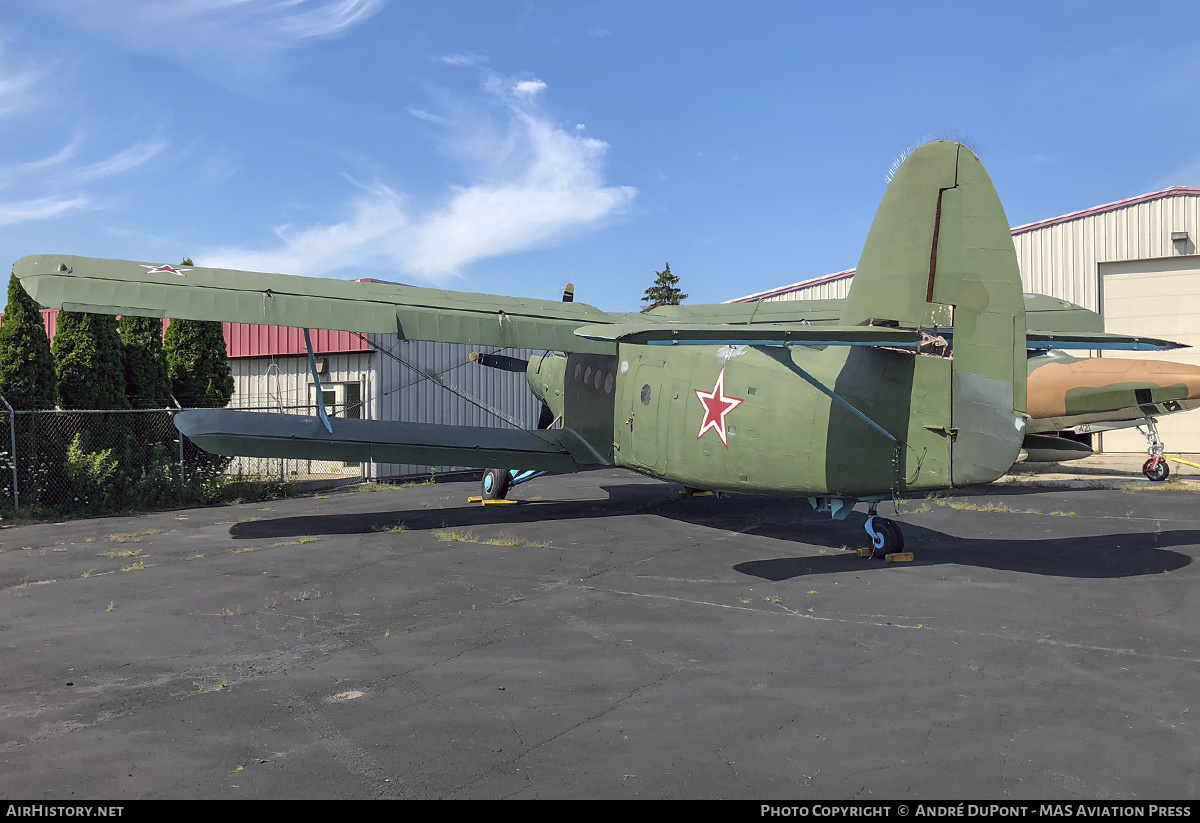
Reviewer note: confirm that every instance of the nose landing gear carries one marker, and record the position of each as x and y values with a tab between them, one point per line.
1156	467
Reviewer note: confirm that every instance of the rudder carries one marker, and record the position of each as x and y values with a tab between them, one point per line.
940	255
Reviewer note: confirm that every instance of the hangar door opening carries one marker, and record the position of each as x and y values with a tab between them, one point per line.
1159	298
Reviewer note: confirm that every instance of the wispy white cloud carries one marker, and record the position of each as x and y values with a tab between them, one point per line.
216	36
68	181
42	208
464	60
421	114
16	85
535	183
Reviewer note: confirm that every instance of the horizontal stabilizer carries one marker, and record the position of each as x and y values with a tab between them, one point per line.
259	434
759	334
1047	448
1099	341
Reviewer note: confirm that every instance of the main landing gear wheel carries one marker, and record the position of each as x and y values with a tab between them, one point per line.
1156	469
495	484
886	537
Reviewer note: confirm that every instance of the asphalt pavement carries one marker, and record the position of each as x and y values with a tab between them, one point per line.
606	638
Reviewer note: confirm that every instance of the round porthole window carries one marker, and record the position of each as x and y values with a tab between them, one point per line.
646	395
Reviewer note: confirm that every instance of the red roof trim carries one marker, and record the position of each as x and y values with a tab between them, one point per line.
1173	191
252	340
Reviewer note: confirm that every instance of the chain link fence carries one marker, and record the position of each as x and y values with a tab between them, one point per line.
68	462
275	468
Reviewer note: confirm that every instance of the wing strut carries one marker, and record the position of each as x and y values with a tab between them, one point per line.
834	396
312	366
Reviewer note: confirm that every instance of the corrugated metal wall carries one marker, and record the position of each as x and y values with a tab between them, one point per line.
468	395
1062	259
826	290
399	381
282	383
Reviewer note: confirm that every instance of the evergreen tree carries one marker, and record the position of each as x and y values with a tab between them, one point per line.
147	383
664	292
26	365
89	368
197	362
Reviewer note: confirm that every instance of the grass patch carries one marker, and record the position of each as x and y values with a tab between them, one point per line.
131	537
451	536
965	505
249	519
371	488
308	538
87	574
135	567
1169	485
396	529
244	549
504	540
114	554
197	556
305	595
112	605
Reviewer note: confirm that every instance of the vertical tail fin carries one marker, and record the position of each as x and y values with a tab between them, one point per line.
940	255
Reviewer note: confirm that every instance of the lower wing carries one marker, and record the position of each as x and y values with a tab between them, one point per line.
258	434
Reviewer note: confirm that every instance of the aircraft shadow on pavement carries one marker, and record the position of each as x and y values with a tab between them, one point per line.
1098	555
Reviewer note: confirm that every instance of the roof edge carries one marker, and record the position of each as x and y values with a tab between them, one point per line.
1171	191
816	281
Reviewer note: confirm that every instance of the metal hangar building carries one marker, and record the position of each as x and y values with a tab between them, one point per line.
1133	261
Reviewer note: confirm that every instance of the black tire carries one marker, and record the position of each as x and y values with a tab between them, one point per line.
1157	473
893	538
494	485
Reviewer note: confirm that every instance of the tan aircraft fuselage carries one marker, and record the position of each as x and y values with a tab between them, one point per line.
1067	391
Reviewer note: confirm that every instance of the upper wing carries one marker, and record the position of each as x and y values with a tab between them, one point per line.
759	334
193	293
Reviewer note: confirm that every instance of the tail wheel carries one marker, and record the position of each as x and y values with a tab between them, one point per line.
886	537
1156	469
495	484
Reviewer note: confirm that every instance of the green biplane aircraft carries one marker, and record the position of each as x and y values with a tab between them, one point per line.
920	385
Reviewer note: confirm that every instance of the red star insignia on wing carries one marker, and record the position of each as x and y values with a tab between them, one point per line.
716	406
166	269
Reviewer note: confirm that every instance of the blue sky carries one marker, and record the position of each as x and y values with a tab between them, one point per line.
511	147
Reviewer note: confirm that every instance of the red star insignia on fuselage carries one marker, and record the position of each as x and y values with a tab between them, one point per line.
716	406
166	269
